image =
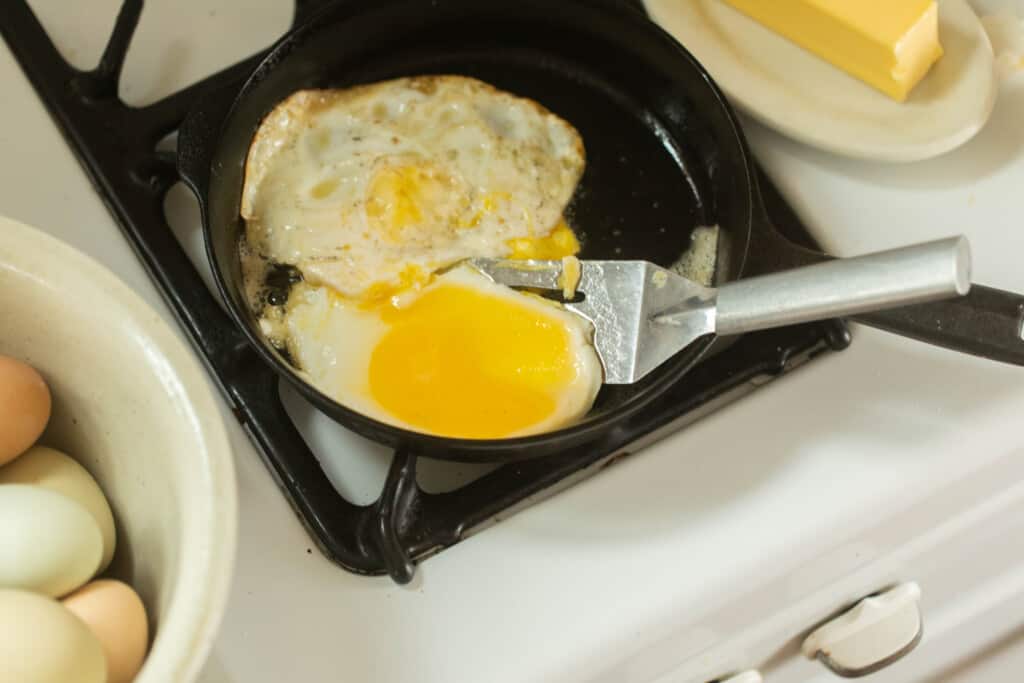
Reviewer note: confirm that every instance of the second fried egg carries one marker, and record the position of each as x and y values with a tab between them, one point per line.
463	357
370	189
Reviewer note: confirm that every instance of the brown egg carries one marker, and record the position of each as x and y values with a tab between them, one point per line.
24	408
115	615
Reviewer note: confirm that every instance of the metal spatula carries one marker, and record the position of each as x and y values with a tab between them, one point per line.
643	314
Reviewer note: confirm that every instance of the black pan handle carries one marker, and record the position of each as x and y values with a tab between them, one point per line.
199	134
986	322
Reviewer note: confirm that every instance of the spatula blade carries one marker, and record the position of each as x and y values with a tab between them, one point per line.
642	315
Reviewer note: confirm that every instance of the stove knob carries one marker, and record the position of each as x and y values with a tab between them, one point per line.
745	677
871	635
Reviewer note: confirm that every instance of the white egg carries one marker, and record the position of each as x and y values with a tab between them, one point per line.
48	543
55	471
42	642
379	184
463	357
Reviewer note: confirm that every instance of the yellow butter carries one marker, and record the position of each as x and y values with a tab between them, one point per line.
888	44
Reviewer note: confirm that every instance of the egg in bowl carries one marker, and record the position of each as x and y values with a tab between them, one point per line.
367	196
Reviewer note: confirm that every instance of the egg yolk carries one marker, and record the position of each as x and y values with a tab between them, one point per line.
559	243
458	362
411	203
411	278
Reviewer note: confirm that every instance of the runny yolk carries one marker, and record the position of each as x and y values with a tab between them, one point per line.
460	363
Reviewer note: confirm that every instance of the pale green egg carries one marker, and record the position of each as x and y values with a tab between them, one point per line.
48	543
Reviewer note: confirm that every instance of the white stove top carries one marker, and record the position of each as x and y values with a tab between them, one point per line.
671	562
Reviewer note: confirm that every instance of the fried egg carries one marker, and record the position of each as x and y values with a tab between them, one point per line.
463	357
369	190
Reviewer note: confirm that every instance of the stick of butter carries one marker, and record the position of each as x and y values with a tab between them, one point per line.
888	44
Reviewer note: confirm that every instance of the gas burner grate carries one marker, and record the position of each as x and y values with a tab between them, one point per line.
117	146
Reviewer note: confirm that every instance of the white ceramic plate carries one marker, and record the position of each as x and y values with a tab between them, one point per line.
132	405
802	96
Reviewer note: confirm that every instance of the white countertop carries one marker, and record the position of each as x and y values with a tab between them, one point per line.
616	576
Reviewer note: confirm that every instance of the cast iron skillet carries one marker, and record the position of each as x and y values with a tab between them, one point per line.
664	155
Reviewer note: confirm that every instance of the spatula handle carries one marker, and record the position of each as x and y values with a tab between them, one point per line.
909	275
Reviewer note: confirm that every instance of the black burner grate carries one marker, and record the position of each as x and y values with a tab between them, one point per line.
117	146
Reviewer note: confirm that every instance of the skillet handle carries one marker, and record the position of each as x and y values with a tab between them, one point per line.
986	322
198	136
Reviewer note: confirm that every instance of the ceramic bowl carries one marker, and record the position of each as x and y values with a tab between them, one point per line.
133	406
